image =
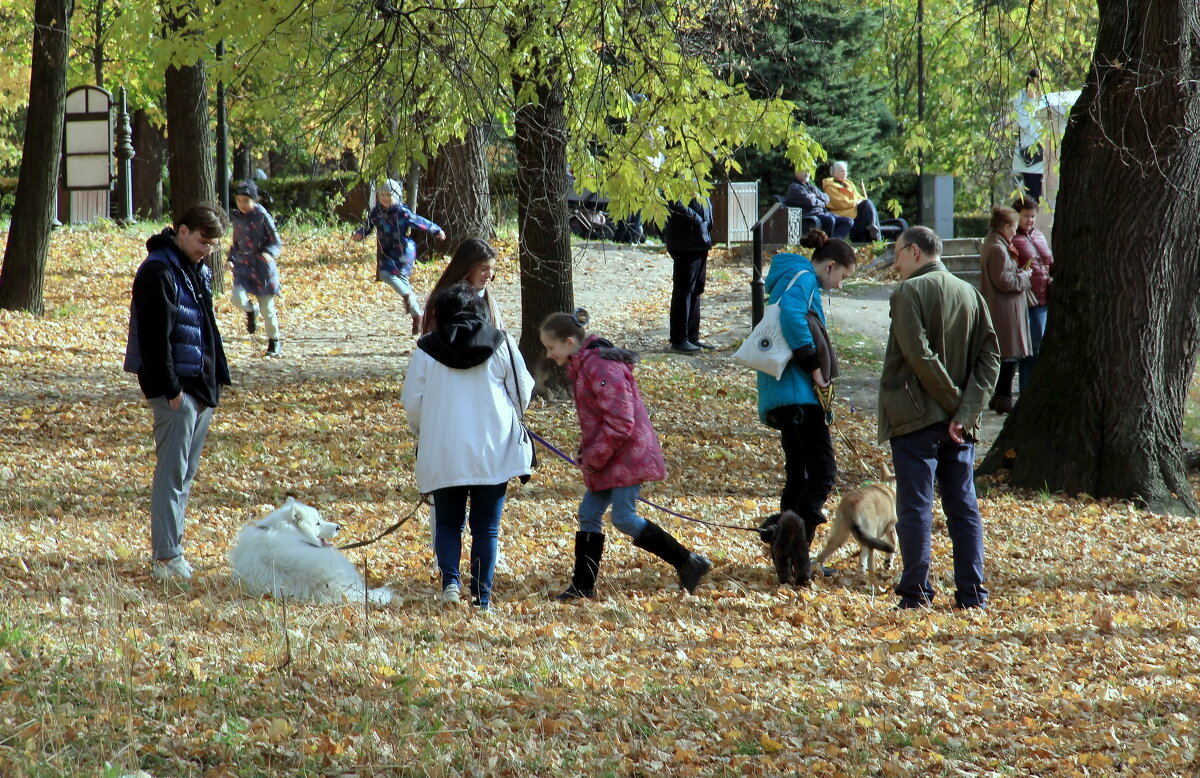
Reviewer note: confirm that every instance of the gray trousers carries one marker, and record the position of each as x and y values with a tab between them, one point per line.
178	440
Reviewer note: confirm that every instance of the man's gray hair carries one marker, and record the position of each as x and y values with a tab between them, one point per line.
925	239
839	164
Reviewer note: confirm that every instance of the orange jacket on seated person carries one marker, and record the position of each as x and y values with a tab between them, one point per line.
843	196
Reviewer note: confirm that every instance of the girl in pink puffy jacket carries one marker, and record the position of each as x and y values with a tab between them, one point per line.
618	450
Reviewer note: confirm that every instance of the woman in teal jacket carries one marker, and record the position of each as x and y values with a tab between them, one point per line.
790	403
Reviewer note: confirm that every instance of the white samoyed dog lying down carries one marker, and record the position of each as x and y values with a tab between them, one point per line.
288	554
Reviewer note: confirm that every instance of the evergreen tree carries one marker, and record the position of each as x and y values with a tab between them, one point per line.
810	53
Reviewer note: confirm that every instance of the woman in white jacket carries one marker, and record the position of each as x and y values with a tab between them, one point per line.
464	394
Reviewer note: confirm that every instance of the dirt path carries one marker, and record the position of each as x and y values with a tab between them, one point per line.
627	291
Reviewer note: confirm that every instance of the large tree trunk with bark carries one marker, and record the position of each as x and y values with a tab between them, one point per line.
457	191
147	166
190	164
29	233
545	242
1103	413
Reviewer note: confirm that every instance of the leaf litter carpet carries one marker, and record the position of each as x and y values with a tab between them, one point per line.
1084	665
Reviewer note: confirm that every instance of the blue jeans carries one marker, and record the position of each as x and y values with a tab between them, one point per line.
918	458
1037	328
833	225
623	500
866	223
450	514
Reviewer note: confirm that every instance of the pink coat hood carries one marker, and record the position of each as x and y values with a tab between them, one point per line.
617	443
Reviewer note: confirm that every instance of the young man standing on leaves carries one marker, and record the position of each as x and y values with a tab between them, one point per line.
940	366
176	351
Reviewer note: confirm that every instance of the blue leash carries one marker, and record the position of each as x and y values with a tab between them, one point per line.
561	455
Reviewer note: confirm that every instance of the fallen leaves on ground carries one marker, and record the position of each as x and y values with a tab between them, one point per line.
1085	664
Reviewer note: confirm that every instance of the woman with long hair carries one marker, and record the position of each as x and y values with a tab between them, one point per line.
473	262
793	402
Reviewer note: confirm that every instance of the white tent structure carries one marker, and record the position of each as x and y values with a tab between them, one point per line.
1052	113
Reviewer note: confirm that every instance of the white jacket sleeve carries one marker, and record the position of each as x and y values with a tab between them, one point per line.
523	380
414	389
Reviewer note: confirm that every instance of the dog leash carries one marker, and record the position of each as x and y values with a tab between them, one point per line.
424	500
861	462
561	455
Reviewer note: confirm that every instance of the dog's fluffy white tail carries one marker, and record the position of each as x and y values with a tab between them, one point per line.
380	596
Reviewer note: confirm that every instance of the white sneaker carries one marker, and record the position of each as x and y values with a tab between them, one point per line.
452	593
174	568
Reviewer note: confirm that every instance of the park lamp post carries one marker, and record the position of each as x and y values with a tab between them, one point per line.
757	285
124	153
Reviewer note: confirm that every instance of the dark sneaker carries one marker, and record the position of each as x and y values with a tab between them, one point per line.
692	571
703	345
571	593
685	347
251	322
273	348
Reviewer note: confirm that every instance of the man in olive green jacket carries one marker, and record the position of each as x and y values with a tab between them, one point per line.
940	366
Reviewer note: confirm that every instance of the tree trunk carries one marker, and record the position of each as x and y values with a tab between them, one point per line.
242	169
189	140
28	246
98	32
147	165
190	164
1103	413
457	192
412	187
545	242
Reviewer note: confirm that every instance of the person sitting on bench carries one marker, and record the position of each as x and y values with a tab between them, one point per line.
845	200
804	194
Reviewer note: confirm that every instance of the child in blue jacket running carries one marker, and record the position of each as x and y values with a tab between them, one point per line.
395	252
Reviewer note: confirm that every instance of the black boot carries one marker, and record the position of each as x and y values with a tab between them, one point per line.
273	349
691	567
589	546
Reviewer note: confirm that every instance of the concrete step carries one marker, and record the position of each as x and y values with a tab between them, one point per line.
958	262
960	246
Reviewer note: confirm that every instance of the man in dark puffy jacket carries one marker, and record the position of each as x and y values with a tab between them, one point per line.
804	194
688	237
176	351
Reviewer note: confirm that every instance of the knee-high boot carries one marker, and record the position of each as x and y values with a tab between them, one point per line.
589	546
691	567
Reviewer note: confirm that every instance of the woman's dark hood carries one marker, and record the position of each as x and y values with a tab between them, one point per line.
463	342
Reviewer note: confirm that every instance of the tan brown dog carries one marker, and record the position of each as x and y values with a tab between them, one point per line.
869	514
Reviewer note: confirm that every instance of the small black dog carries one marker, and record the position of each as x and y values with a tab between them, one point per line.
788	538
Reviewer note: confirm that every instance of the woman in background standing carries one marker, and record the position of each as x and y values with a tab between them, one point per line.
1033	254
1004	285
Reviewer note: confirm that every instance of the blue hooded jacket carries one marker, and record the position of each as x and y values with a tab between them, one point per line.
795	386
